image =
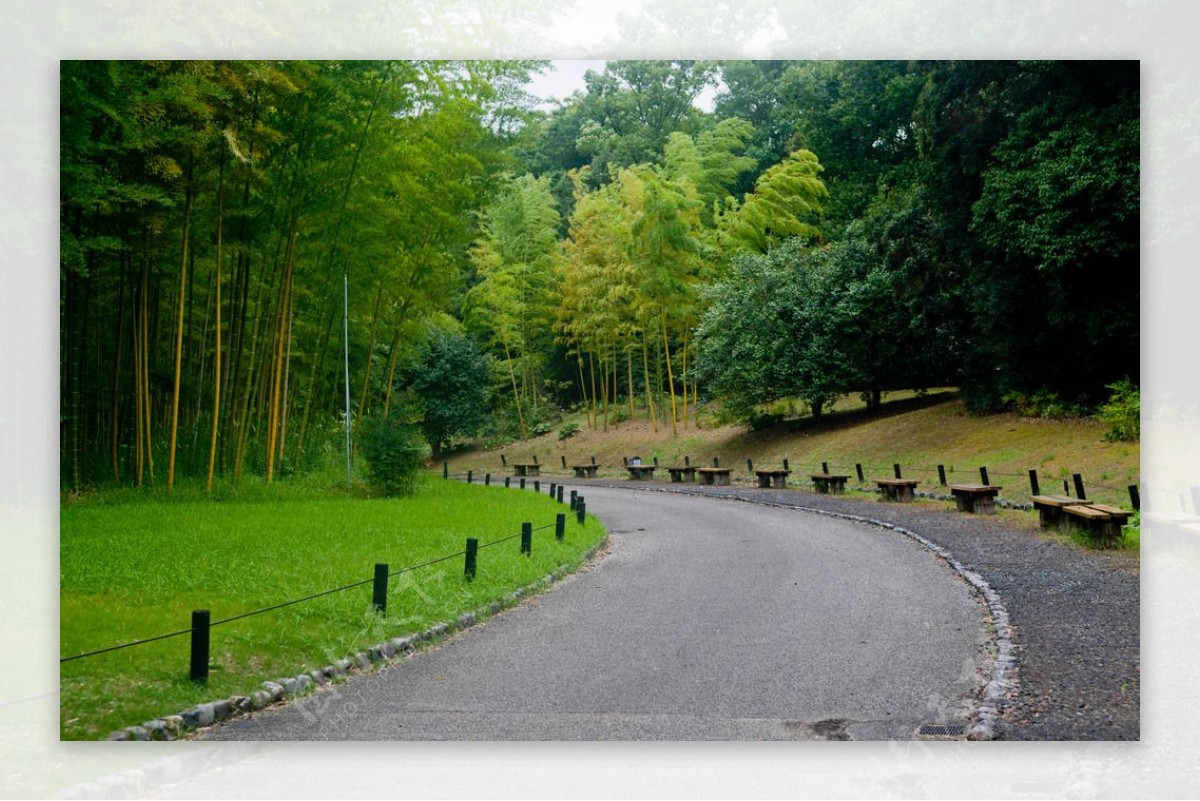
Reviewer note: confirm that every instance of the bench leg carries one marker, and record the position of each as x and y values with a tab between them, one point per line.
764	481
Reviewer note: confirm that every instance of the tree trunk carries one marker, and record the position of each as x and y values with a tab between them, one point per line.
212	445
187	219
516	395
670	377
646	380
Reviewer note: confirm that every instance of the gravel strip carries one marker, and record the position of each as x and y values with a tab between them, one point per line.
1074	613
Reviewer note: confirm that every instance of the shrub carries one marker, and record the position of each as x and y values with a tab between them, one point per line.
394	451
567	431
1122	413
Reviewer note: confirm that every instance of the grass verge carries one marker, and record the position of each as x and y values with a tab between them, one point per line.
132	568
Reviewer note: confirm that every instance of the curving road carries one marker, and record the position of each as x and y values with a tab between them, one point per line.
706	620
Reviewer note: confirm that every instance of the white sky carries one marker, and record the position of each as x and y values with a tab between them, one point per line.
566	76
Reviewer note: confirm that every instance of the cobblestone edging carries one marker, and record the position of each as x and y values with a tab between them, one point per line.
175	727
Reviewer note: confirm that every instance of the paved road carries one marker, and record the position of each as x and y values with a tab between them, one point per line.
705	620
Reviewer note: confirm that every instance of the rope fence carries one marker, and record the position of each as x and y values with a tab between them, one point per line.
202	623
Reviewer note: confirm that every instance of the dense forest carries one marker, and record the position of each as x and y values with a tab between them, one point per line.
251	251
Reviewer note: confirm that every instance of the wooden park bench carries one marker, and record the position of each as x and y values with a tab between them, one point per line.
1050	508
681	474
826	483
527	469
585	470
975	498
640	472
1101	520
718	476
902	490
772	478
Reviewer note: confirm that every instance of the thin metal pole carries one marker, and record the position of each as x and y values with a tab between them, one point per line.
346	362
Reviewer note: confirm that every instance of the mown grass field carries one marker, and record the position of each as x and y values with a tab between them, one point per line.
919	433
134	567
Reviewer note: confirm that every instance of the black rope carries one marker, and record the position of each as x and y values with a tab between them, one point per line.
126	645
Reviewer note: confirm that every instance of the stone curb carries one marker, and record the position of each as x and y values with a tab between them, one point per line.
176	727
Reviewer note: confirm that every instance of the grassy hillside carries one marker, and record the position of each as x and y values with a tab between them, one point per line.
919	433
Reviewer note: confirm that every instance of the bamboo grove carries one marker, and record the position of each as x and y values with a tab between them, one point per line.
248	248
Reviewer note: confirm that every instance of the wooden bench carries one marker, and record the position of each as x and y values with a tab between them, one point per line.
1050	508
640	472
1101	520
585	470
901	490
681	474
527	469
772	478
826	483
975	498
718	476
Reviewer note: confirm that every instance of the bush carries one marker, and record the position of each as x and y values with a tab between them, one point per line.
1122	413
567	431
394	451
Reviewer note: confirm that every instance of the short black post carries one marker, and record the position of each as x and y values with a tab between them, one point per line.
825	468
560	526
537	485
896	470
716	462
750	465
469	566
785	464
656	461
564	461
507	482
942	474
535	461
527	538
687	461
1066	488
487	479
503	461
522	483
551	489
1033	483
560	493
470	476
1134	498
200	632
445	470
625	461
574	499
593	460
1079	492
983	478
858	469
581	509
379	597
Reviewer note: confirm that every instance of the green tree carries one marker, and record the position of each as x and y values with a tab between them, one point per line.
451	377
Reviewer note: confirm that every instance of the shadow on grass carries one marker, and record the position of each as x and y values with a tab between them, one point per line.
835	421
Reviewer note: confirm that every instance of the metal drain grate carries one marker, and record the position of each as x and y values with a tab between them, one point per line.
942	730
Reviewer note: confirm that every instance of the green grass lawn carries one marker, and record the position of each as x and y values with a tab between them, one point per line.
133	568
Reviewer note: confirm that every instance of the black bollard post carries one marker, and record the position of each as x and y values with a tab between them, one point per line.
942	474
507	482
200	635
1033	483
470	476
379	596
1079	491
858	469
445	470
983	477
574	499
527	538
522	483
560	526
581	510
560	493
896	470
551	489
487	479
537	485
472	551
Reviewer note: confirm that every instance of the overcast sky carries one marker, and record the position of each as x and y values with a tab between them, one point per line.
565	77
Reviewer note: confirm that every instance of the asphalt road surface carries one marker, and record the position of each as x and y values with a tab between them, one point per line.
703	620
